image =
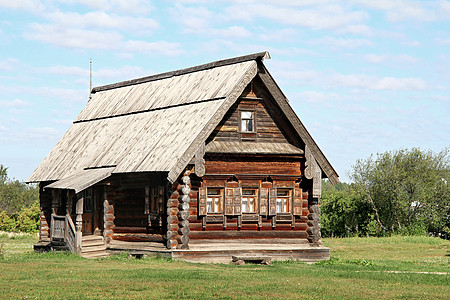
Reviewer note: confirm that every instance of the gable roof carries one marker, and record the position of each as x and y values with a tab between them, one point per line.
155	123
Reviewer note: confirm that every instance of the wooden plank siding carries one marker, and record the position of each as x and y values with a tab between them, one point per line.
232	164
266	128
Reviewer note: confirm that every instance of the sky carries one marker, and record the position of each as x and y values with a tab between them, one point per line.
363	76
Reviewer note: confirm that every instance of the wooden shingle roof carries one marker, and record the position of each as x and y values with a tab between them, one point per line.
155	123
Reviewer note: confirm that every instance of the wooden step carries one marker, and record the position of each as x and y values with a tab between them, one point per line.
92	237
93	246
92	243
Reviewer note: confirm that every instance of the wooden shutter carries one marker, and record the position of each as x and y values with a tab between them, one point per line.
237	201
263	201
147	200
272	201
202	201
229	201
297	202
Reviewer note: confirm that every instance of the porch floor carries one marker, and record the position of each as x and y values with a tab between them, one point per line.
221	251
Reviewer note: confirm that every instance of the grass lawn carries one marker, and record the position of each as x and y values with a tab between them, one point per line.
394	267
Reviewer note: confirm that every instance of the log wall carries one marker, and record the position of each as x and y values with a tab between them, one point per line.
45	200
247	226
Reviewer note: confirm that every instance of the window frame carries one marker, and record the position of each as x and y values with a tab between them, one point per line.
285	201
220	198
255	197
253	119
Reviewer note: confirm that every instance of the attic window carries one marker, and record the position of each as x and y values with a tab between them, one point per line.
247	121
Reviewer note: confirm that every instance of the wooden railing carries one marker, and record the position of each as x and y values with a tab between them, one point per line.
70	235
63	232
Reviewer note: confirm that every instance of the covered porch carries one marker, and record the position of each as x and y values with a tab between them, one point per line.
84	212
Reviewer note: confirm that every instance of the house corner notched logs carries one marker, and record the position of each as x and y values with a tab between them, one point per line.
172	218
108	218
183	212
45	200
313	171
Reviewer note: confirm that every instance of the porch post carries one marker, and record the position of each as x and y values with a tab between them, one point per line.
79	224
55	200
70	194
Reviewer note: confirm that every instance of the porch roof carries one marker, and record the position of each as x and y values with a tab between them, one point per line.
81	180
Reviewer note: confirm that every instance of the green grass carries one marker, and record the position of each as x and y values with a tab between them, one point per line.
360	268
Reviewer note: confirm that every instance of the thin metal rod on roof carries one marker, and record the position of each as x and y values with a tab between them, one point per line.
90	78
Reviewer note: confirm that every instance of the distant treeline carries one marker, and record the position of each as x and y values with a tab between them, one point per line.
403	192
19	204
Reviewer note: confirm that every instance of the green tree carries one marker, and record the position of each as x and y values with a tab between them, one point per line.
407	190
19	204
344	211
15	194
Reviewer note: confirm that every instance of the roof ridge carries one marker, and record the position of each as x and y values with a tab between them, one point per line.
219	63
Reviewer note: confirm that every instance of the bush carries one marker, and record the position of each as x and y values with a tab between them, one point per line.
6	222
27	220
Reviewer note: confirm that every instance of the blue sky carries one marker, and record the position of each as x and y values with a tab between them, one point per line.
364	76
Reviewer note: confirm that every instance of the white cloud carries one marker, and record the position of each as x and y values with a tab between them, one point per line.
231	32
441	41
400	84
73	38
370	83
193	19
342	42
29	5
284	34
125	72
102	20
318	97
401	10
90	39
68	71
375	58
333	17
333	80
9	64
393	59
136	7
159	47
16	103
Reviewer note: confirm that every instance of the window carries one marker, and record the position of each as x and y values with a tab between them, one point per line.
88	201
247	121
283	200
249	201
214	200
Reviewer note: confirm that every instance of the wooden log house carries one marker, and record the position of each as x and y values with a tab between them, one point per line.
202	164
